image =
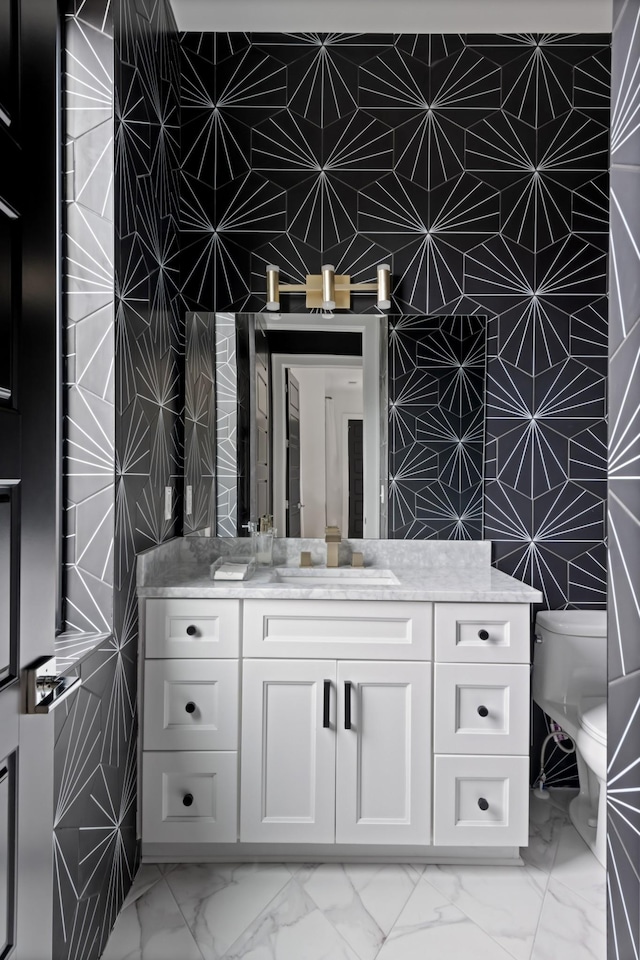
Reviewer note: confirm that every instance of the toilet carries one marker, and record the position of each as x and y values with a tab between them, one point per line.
570	685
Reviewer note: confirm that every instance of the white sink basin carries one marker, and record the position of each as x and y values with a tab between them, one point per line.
338	577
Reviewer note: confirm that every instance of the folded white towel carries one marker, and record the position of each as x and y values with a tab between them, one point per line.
231	571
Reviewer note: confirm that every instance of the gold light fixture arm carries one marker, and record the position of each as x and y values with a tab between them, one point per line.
328	290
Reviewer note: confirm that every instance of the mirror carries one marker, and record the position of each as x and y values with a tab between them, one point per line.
370	423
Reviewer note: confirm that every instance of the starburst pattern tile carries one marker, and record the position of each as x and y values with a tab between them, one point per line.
123	436
477	166
89	428
624	482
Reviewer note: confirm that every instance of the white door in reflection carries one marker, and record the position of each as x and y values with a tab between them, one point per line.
330	412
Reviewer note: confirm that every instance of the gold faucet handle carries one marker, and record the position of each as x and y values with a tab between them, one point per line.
357	559
332	535
305	558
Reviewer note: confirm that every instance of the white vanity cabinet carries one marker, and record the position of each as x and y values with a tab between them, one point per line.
481	724
336	752
190	716
300	723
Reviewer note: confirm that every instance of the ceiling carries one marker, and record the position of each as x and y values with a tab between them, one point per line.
395	16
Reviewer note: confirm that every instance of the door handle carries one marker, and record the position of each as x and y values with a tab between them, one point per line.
347	704
45	689
326	703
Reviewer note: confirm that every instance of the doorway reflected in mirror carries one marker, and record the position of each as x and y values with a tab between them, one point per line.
370	424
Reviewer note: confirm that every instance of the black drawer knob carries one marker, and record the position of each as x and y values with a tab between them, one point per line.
188	799
191	630
190	707
483	634
483	804
482	710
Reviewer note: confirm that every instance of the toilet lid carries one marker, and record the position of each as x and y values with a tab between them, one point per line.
593	718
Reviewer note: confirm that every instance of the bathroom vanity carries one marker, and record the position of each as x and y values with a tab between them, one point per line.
324	714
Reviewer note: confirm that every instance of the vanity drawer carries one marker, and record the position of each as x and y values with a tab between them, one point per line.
483	632
189	797
191	705
481	801
192	628
338	629
481	708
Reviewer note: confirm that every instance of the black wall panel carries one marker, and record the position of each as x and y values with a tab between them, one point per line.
623	785
477	166
95	844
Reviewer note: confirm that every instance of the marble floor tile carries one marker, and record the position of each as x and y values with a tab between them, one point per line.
561	797
291	928
546	820
152	928
362	901
295	868
432	927
219	901
147	876
504	901
569	927
576	867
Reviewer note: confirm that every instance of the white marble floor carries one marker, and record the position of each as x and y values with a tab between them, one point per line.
552	908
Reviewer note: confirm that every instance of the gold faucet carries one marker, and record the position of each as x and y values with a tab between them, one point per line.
332	539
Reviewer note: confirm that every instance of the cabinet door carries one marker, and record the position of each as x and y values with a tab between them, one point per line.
287	792
481	801
481	708
189	797
383	768
192	628
191	705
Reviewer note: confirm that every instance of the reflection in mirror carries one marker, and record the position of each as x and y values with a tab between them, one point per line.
318	462
303	409
199	425
310	417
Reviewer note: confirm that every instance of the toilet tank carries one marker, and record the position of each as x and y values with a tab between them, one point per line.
571	661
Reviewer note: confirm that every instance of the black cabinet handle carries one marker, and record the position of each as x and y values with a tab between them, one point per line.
483	634
190	707
347	704
187	799
326	703
191	630
483	711
483	804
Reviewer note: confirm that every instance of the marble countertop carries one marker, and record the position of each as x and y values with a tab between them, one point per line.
482	584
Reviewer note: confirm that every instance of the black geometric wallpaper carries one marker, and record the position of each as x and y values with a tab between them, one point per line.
436	427
129	53
88	266
623	789
477	166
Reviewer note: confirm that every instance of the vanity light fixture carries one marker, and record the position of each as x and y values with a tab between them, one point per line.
328	286
384	286
273	286
328	291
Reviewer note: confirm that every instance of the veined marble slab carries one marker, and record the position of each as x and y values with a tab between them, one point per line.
448	582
